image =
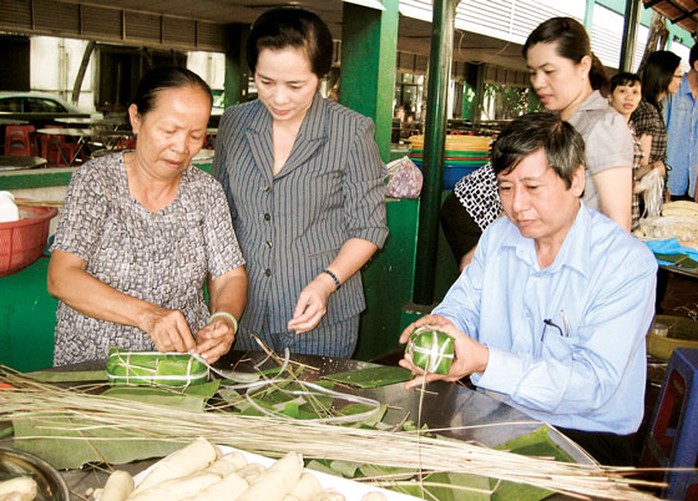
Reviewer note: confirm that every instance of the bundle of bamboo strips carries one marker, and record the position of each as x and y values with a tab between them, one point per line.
47	406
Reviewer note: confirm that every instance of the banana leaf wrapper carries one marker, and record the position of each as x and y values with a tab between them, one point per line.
152	368
431	350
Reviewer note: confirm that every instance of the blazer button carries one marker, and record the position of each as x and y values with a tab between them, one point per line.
269	244
267	188
267	272
267	216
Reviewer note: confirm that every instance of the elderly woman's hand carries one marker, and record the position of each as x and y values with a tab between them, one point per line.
215	339
169	330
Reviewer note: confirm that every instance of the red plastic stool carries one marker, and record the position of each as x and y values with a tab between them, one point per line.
672	441
19	140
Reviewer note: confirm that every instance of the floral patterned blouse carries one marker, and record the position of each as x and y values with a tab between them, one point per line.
163	257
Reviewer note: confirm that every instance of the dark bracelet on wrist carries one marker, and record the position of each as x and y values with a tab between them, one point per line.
337	283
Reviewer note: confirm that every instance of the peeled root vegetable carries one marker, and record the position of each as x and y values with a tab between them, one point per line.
194	457
18	489
277	481
176	489
305	489
228	464
119	486
228	489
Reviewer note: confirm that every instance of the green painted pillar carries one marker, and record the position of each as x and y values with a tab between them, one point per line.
369	52
589	14
236	71
440	60
627	48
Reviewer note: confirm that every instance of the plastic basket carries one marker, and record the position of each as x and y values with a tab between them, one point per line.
453	172
23	241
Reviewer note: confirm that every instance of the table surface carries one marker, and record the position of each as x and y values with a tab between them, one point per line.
13	121
66	131
458	408
688	272
17	162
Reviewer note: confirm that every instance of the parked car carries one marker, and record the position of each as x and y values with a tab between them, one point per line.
39	110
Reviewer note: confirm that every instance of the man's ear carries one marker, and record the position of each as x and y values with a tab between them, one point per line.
578	181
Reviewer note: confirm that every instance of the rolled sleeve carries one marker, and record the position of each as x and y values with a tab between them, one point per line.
365	213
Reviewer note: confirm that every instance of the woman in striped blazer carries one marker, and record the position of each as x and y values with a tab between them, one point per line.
304	181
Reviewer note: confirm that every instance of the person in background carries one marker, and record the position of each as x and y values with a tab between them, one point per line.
305	184
661	77
681	118
625	93
142	232
468	210
568	79
549	315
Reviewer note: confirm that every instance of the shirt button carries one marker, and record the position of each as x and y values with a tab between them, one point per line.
267	272
269	243
267	216
267	188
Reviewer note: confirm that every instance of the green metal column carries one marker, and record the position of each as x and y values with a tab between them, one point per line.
369	52
627	48
440	60
589	14
236	71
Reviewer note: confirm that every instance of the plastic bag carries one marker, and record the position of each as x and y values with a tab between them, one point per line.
404	179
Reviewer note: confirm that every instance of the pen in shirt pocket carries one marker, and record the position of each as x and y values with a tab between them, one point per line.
563	329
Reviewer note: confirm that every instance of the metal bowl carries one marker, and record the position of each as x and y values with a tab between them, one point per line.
51	486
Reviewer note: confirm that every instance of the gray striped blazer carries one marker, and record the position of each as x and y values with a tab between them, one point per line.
292	225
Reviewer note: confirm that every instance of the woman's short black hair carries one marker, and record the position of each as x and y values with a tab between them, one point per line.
285	27
563	145
623	79
163	78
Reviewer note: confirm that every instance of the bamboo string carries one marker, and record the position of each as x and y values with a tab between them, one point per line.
48	406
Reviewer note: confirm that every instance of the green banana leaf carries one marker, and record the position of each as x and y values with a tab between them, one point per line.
371	377
35	437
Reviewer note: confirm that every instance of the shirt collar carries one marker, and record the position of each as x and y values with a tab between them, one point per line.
313	126
574	252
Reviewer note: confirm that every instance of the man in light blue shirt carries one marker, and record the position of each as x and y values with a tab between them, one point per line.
553	311
681	118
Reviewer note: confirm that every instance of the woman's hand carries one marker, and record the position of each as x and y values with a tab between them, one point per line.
312	304
169	330
469	355
215	339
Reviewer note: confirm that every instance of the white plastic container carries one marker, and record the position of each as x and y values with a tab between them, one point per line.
8	210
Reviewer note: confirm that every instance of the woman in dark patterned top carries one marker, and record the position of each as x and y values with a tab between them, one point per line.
661	77
140	234
304	181
624	95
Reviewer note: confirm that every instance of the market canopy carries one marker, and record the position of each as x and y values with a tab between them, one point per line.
681	12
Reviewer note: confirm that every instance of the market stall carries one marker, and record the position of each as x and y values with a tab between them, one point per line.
443	436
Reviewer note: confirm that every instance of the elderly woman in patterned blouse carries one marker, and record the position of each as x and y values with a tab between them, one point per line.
142	232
